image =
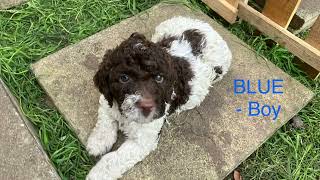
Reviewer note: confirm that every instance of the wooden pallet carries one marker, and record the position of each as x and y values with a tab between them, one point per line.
273	21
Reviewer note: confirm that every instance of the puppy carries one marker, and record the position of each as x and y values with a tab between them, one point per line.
142	82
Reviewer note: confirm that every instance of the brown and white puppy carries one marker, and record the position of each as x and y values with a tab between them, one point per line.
143	81
141	77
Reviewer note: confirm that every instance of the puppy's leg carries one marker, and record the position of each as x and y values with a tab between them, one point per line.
104	135
142	139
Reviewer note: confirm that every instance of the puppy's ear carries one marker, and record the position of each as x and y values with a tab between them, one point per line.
183	75
101	78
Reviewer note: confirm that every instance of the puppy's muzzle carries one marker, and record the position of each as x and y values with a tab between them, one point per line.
147	105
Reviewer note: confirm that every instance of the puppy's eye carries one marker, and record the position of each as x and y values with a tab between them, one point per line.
158	78
124	78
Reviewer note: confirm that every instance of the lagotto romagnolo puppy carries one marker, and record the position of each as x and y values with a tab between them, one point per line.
142	82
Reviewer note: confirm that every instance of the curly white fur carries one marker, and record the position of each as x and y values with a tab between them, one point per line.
142	138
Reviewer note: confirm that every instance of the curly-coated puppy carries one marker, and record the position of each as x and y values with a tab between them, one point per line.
142	82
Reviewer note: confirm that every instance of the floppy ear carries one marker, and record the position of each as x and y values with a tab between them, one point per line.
181	86
101	78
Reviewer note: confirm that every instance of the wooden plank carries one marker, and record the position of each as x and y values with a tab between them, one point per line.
245	1
224	9
314	40
281	11
314	36
297	46
234	3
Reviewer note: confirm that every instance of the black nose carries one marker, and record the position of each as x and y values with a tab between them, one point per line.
146	106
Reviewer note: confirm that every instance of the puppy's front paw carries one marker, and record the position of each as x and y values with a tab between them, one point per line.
106	168
98	174
98	145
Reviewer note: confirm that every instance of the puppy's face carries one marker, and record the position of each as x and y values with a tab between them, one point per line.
138	75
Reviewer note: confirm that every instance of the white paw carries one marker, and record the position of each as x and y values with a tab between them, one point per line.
99	144
105	169
98	174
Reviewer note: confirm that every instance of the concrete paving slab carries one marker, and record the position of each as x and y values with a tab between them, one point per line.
6	4
204	143
306	15
21	156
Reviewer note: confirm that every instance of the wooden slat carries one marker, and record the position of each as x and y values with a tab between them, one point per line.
245	1
224	9
294	44
281	11
314	40
234	3
314	36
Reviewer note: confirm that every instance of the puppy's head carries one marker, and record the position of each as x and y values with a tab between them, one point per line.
138	75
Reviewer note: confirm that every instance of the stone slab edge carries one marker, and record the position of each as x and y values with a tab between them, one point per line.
27	124
6	4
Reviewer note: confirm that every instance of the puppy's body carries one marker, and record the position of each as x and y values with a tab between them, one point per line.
202	47
170	74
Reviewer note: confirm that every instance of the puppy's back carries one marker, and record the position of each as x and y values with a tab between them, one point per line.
198	43
194	39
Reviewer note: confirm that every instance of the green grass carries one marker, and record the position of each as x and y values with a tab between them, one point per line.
41	27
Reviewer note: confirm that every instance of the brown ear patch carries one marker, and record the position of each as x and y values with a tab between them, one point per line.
181	86
100	79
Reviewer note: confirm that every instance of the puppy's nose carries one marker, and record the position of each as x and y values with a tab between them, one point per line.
146	105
